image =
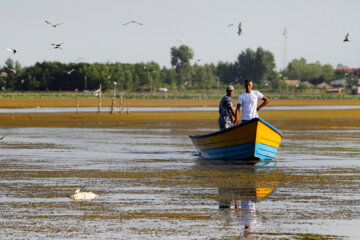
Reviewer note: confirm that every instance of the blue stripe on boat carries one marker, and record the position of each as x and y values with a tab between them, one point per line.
265	151
243	151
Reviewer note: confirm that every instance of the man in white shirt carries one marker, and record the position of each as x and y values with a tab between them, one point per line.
248	101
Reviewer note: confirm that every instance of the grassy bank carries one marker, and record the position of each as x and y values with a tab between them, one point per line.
106	102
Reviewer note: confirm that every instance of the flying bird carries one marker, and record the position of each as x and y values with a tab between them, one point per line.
236	80
96	92
346	38
57	46
239	29
13	50
69	72
53	25
183	40
79	196
230	25
2	138
80	58
12	70
133	21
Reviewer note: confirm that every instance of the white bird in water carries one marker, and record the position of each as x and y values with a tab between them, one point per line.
239	29
133	21
53	25
13	50
83	196
346	38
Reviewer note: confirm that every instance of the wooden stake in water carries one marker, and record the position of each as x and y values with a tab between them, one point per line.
128	109
113	109
77	105
121	105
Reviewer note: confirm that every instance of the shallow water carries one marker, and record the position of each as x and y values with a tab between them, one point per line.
152	185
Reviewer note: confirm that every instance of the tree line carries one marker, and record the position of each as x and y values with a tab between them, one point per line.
184	74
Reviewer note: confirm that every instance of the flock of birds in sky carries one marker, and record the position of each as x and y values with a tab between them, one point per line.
182	41
59	45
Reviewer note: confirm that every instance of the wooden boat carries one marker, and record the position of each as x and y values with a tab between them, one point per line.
253	140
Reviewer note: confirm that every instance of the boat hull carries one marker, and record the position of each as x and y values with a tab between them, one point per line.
253	140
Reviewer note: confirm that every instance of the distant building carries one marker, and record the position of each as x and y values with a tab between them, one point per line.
308	84
294	83
339	83
325	85
355	90
349	70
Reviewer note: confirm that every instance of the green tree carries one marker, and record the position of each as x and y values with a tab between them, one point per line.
258	66
180	59
181	56
313	72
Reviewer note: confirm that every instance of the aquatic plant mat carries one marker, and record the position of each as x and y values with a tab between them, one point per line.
152	185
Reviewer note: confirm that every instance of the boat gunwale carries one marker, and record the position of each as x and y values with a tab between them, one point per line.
237	126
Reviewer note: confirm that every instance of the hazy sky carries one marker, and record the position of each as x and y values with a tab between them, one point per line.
93	29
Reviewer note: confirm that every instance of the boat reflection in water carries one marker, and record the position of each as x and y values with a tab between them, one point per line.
240	189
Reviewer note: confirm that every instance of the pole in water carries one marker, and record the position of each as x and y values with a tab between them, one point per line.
113	109
77	105
121	104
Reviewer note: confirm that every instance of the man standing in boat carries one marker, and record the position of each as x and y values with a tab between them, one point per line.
226	110
248	101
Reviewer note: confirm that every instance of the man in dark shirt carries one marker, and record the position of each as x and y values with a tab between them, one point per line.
226	110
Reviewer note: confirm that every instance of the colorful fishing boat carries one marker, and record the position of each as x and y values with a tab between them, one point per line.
253	140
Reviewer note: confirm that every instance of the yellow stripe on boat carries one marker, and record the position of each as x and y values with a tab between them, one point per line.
267	136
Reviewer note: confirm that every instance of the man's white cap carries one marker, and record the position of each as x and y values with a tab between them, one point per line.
230	88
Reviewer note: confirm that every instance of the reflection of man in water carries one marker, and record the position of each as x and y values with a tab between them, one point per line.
249	217
246	214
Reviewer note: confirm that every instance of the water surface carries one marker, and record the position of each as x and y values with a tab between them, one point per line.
153	185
